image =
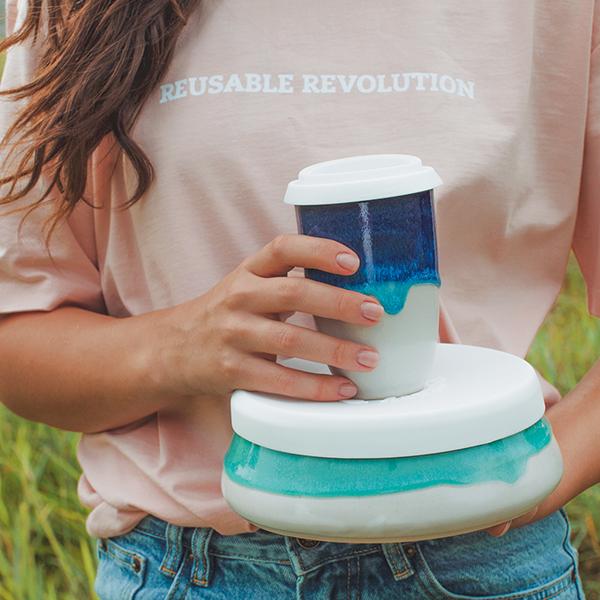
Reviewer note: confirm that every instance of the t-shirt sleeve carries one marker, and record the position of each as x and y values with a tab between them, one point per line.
10	16
586	239
34	276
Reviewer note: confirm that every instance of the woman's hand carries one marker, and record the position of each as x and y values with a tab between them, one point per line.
574	420
229	337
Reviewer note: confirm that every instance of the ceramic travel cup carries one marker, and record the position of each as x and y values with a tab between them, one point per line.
469	451
380	206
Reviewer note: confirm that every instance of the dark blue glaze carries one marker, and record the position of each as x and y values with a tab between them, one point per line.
394	238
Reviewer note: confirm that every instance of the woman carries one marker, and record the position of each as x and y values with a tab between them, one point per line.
153	142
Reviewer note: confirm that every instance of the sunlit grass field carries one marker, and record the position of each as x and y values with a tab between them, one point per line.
46	554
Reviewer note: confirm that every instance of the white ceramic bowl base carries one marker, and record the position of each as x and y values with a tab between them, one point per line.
428	513
406	343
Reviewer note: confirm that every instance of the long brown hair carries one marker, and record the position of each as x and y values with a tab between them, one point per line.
99	61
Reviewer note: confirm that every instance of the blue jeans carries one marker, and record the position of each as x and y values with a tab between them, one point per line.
166	562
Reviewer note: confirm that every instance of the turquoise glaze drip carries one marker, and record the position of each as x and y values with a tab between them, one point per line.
392	294
505	460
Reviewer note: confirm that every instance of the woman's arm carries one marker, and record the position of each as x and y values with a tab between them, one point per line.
78	370
575	422
75	369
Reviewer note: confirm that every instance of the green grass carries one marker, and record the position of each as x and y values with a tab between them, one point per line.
44	550
46	554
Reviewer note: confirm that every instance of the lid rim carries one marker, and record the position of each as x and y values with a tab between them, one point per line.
452	419
315	188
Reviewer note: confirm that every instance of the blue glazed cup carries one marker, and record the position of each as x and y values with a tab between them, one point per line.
380	206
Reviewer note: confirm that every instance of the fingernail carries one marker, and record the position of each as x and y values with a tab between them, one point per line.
347	261
348	390
371	310
505	528
367	358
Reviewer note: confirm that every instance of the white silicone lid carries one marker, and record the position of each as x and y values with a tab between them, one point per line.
474	396
357	178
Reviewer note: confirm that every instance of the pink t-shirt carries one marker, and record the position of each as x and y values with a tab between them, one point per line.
501	98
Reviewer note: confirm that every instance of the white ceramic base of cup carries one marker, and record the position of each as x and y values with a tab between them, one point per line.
406	343
428	513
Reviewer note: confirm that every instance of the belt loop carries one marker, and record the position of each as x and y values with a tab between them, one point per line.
201	566
173	554
397	561
294	556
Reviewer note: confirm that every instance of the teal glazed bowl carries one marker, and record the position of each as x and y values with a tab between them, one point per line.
437	463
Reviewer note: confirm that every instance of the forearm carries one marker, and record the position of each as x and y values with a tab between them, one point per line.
78	370
576	421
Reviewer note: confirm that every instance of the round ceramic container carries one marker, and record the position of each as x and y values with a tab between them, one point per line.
381	206
469	451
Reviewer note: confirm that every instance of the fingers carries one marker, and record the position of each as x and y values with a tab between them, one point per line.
288	251
277	295
525	519
264	290
503	528
285	294
284	316
264	376
499	530
290	340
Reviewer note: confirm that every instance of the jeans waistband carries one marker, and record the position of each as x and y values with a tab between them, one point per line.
262	547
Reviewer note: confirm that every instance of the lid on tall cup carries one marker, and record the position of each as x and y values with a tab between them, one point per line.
358	178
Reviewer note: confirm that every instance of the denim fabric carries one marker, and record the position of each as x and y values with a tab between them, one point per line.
165	562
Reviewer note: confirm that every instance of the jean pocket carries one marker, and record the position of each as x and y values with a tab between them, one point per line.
535	562
563	587
120	572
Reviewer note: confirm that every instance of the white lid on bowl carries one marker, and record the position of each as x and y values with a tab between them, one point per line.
474	396
357	178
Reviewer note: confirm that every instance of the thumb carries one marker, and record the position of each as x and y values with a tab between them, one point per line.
502	528
499	530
